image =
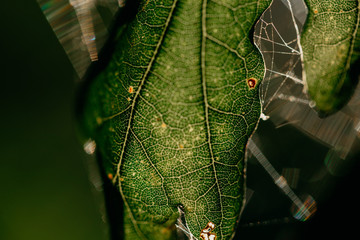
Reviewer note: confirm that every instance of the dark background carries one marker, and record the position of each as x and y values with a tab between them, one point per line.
45	192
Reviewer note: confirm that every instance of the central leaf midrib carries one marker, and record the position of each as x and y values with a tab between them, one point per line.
206	109
206	104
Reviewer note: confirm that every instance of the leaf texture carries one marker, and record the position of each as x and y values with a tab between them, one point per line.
330	43
173	110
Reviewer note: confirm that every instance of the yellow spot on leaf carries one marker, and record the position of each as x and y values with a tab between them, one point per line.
110	176
131	89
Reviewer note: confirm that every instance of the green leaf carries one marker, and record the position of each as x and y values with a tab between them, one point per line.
172	113
330	43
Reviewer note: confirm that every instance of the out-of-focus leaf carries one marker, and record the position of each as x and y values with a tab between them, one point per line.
330	43
172	112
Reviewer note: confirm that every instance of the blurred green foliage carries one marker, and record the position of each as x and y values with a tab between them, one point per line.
45	191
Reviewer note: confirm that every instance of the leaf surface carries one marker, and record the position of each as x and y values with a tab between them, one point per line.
173	110
331	46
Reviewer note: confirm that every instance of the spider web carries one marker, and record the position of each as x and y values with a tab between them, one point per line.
283	91
81	27
285	102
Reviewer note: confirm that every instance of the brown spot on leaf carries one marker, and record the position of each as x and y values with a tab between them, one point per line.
251	82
